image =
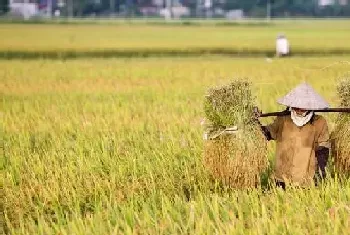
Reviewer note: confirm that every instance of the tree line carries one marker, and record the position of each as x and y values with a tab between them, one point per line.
251	8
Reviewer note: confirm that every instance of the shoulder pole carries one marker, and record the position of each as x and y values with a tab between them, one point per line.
329	110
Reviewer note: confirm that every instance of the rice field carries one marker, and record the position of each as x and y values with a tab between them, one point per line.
115	146
117	39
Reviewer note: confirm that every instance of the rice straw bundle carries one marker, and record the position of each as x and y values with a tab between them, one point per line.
236	156
341	134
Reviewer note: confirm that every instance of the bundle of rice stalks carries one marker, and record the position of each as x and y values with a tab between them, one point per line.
235	150
341	134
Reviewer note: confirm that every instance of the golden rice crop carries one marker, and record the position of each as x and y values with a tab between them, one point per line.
344	92
123	40
341	143
236	158
111	146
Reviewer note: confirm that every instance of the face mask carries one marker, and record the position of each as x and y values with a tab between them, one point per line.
301	120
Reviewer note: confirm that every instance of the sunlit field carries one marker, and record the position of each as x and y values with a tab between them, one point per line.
322	37
115	145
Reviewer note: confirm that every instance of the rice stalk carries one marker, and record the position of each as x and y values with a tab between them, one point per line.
341	134
236	158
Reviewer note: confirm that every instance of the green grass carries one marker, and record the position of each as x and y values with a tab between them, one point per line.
114	146
307	38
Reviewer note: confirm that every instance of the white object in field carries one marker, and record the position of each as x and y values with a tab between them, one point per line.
205	136
228	130
343	2
208	3
61	3
176	12
282	46
26	10
57	13
236	14
231	130
325	2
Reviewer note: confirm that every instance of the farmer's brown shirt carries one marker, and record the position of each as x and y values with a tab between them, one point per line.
295	150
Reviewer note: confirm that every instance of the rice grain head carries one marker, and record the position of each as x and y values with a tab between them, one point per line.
341	134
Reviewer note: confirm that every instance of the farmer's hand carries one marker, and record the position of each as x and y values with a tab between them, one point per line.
256	113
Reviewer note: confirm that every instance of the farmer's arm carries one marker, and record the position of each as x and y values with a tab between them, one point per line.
270	131
322	150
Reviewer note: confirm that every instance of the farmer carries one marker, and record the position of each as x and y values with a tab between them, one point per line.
282	46
302	138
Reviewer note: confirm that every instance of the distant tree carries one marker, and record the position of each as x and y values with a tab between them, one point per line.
4	6
70	8
303	7
246	5
345	11
280	8
78	6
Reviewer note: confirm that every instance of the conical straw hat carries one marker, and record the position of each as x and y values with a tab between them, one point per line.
305	97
